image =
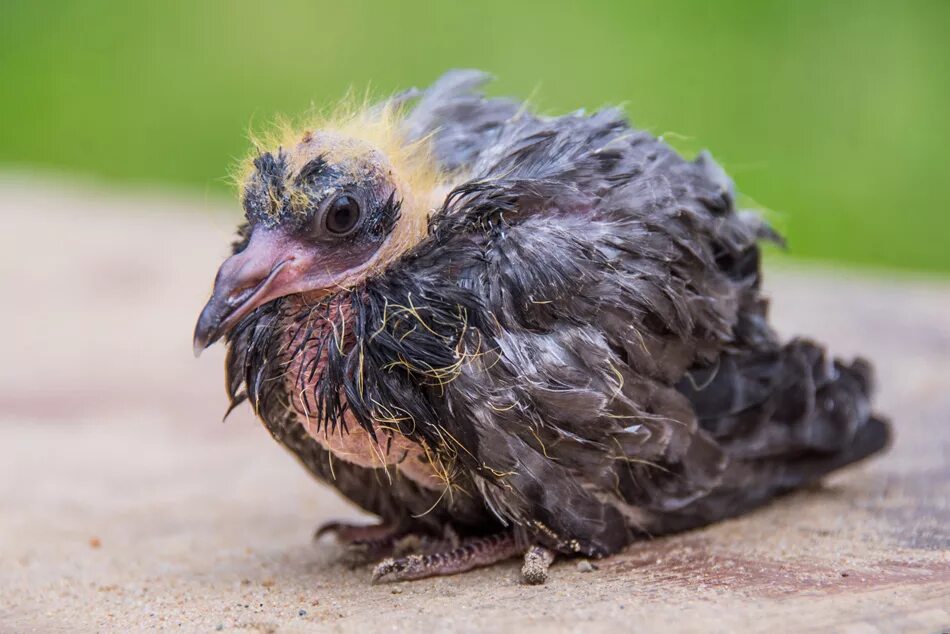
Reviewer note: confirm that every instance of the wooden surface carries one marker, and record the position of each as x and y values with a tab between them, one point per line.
126	504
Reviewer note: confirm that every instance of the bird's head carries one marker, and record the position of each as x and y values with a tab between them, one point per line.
325	209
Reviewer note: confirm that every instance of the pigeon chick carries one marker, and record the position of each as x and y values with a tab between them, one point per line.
510	334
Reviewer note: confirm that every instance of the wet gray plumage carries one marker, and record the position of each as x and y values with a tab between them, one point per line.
597	299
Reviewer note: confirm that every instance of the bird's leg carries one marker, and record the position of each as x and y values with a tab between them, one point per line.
537	560
473	552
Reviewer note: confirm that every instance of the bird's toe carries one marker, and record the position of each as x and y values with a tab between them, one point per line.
537	560
400	569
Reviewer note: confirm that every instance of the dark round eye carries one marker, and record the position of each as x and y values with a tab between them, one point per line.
342	215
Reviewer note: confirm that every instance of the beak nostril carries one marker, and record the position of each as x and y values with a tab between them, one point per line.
244	292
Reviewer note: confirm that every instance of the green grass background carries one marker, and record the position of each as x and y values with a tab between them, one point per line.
832	115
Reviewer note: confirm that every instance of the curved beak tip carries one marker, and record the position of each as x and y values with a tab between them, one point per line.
208	328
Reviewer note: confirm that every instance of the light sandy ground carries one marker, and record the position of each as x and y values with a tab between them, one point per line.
125	504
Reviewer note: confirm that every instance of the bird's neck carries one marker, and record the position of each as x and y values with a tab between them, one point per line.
307	330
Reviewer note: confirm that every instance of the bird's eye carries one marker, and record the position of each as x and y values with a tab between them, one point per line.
342	215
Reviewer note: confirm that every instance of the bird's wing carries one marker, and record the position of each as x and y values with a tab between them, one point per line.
535	336
540	335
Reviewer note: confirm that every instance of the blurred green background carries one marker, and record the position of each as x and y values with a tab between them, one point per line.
831	115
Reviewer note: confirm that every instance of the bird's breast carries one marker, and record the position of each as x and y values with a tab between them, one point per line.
347	440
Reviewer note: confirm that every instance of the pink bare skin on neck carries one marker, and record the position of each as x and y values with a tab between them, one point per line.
391	451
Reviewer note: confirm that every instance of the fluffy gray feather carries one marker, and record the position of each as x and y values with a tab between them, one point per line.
598	297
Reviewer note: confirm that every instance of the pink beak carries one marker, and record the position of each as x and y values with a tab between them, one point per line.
271	266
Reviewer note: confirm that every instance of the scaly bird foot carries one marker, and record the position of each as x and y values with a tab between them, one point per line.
470	553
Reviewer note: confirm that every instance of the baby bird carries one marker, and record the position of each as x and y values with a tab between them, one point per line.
509	334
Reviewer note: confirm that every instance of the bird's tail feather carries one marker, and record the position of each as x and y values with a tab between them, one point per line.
781	402
870	438
754	484
787	418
